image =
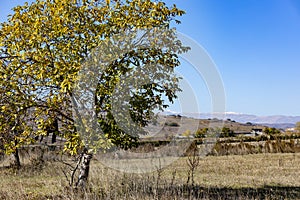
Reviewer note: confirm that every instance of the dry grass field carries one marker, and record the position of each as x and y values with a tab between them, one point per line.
253	176
236	168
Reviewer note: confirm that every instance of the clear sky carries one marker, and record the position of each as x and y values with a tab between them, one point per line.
255	45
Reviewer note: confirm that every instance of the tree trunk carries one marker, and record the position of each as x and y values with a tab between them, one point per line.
53	139
55	130
84	169
17	162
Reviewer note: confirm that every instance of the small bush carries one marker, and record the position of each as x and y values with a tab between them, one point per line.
174	124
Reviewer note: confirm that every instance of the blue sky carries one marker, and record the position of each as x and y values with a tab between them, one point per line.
255	45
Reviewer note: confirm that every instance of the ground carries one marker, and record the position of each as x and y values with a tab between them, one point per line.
267	176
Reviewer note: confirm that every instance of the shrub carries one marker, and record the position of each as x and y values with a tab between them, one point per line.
226	132
201	133
175	124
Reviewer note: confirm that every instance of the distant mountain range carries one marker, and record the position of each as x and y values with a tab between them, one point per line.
277	121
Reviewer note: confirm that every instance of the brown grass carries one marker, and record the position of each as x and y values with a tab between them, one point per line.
256	176
268	146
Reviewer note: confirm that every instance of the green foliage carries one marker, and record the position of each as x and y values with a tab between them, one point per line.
226	132
271	131
42	48
214	132
201	133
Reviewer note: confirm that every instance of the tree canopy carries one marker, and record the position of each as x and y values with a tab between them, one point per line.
44	47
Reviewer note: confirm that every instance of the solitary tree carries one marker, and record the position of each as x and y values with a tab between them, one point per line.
271	131
226	132
297	127
201	133
43	48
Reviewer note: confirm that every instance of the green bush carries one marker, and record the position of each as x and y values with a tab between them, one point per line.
201	133
175	124
226	132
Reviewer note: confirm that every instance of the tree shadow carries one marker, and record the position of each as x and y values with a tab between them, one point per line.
266	192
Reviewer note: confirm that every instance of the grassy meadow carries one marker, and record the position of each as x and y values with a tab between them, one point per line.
241	167
252	176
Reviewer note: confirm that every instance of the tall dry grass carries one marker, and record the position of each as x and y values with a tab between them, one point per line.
253	176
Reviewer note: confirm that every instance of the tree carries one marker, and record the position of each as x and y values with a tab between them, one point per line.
297	127
226	132
42	50
201	133
15	129
271	131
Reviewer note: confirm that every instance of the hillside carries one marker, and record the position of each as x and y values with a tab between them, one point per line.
176	125
277	121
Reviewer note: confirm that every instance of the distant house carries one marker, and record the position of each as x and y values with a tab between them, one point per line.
245	133
184	137
290	130
257	131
